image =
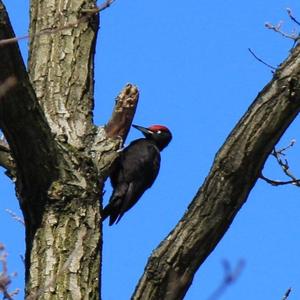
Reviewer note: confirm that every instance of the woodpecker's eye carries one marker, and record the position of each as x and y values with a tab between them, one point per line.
158	132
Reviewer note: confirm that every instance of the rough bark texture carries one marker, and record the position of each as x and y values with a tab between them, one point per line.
61	158
61	65
33	150
171	268
6	160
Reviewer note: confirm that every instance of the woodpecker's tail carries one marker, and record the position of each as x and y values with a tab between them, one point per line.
109	211
105	212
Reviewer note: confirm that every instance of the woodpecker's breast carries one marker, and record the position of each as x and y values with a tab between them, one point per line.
139	161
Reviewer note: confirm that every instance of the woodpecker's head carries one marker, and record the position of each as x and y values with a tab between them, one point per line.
161	135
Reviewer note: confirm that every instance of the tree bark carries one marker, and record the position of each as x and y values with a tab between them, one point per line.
61	158
61	65
236	168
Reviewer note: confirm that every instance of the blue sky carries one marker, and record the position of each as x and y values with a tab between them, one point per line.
196	76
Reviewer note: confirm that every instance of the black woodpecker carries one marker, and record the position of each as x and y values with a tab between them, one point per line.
135	171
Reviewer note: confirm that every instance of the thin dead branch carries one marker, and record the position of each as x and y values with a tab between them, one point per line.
284	164
289	11
230	277
295	36
260	60
287	293
290	145
5	278
279	182
87	14
277	28
15	216
122	116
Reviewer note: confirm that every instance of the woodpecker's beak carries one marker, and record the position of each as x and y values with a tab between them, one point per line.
144	130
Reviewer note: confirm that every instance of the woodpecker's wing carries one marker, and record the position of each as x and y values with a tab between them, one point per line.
136	171
141	159
134	193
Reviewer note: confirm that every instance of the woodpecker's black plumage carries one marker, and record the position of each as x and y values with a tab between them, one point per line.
135	171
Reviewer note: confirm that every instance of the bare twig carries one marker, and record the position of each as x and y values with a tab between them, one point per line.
5	278
279	182
122	116
287	293
277	28
290	145
284	166
22	259
87	14
260	60
15	216
230	277
289	11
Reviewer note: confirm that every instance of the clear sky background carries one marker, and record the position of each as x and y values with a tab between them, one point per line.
196	76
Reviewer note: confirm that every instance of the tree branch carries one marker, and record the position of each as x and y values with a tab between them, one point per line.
277	28
6	160
284	166
123	113
287	293
236	168
24	126
5	278
279	182
290	14
261	61
110	139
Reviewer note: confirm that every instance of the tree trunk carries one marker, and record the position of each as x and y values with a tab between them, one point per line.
59	157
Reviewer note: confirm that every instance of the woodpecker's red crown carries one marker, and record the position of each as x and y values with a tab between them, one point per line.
156	128
159	134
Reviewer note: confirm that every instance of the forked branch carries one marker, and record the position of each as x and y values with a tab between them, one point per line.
284	165
278	28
